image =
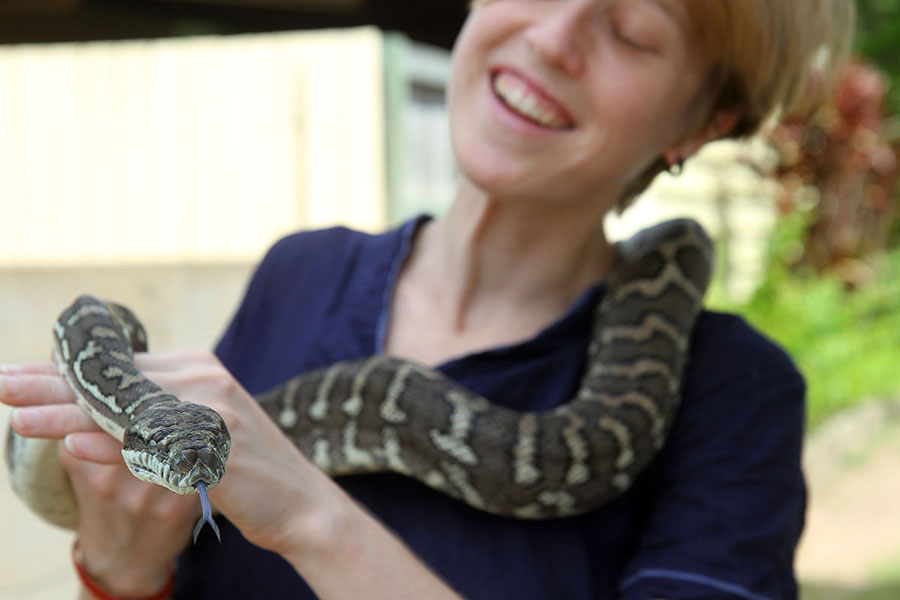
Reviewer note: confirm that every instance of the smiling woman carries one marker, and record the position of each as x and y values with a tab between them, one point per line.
755	60
560	111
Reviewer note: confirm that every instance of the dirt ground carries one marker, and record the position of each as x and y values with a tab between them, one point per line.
852	533
852	537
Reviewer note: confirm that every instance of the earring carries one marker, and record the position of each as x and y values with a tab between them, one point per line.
675	168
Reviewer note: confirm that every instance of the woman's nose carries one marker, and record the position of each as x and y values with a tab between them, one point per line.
562	37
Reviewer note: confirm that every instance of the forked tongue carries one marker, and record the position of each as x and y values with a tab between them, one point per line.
207	513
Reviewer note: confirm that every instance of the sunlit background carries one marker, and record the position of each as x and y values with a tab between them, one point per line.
151	151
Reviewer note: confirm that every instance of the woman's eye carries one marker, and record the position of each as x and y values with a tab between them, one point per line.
638	26
632	43
630	40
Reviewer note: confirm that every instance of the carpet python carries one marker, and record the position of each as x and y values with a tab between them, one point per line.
382	414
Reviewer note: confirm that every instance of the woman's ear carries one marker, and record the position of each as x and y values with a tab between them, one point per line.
722	123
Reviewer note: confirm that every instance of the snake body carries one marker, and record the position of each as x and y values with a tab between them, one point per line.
386	414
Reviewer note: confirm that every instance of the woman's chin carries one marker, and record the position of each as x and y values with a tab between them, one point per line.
497	175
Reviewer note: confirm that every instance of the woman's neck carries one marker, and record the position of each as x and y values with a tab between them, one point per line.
489	256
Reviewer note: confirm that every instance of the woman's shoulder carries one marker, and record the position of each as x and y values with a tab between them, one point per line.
725	347
739	385
308	284
318	245
316	256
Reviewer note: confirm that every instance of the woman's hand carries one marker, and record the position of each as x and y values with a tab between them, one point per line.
267	487
270	491
129	531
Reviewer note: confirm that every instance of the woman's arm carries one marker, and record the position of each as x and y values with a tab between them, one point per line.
131	531
728	492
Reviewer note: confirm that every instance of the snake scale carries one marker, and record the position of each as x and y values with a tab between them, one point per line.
385	414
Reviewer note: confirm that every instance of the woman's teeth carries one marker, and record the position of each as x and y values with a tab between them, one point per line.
522	99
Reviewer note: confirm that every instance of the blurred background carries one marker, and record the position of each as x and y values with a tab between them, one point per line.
151	150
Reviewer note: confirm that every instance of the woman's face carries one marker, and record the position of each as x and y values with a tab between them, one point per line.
569	99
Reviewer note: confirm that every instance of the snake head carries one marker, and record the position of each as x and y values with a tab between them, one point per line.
176	445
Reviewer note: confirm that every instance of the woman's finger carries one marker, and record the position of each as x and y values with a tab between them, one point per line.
34	390
94	446
43	367
53	422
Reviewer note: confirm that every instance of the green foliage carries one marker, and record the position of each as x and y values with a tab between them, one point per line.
888	571
875	591
876	39
846	342
883	583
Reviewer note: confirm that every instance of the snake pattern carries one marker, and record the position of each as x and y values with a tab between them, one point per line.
383	414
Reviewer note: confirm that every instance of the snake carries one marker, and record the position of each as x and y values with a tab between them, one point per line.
386	414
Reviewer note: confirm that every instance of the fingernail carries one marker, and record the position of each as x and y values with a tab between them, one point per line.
26	418
16	418
7	386
70	446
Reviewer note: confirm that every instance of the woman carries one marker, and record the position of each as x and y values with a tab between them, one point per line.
560	111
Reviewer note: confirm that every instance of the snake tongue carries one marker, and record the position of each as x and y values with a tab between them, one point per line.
207	513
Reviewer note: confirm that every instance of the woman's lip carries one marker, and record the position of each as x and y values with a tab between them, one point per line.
529	100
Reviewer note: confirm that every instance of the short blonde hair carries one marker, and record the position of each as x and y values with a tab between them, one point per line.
769	58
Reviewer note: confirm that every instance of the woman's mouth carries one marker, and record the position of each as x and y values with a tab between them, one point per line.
519	96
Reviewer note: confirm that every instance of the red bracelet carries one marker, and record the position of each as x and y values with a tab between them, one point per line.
97	591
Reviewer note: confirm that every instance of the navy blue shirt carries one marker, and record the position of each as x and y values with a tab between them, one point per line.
717	514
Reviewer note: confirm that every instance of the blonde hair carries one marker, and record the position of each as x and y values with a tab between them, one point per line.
769	59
